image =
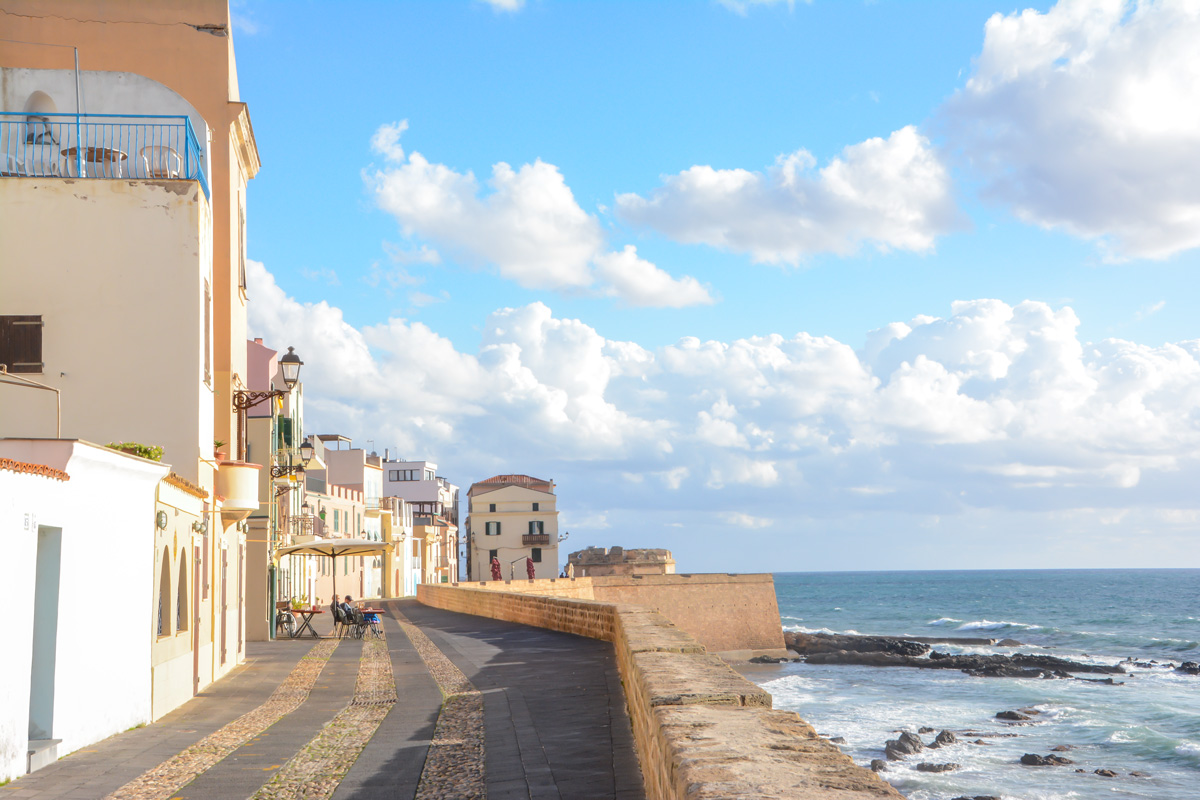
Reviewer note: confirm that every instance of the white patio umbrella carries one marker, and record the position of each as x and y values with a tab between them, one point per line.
334	548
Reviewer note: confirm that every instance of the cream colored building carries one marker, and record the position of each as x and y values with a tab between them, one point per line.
511	518
123	281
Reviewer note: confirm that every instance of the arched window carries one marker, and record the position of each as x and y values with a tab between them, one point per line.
181	596
164	596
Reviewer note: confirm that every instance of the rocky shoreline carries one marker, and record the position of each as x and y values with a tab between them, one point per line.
904	651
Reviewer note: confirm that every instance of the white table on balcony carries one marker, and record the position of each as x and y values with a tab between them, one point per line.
104	162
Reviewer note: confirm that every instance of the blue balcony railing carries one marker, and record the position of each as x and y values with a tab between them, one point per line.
100	146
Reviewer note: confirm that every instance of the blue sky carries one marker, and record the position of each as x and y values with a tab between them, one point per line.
642	248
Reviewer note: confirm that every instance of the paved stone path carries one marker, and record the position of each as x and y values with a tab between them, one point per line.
527	713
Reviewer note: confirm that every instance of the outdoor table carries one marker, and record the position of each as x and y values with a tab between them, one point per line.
306	615
107	159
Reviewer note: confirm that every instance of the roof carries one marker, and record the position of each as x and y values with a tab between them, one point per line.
499	481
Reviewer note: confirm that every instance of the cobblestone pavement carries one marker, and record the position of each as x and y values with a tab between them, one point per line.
414	726
315	772
164	780
454	767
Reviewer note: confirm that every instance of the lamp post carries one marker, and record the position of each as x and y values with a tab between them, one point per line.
243	400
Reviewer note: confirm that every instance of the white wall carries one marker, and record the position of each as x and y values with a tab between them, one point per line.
105	513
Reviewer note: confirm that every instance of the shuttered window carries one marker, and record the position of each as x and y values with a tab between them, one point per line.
492	529
21	343
535	527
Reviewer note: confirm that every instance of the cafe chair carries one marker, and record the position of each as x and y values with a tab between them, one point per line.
342	623
359	623
161	162
284	619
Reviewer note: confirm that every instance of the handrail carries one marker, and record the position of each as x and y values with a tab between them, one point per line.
153	146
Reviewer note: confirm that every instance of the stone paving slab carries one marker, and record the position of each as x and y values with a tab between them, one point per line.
389	767
554	710
101	768
242	772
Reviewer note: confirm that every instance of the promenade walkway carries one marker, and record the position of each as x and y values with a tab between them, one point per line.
528	713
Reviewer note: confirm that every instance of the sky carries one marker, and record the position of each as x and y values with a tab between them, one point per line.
775	286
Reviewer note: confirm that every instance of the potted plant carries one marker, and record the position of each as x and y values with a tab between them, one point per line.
219	450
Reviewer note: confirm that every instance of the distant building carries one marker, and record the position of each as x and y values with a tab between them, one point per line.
434	501
596	561
511	518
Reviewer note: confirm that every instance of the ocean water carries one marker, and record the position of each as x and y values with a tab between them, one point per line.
1151	724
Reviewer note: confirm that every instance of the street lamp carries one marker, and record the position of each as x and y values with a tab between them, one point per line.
244	400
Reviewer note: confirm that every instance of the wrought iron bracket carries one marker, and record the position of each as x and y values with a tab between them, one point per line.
244	400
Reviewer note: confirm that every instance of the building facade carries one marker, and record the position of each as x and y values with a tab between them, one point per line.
123	196
512	518
594	562
434	501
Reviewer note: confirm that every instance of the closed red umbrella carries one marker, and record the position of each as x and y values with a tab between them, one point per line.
529	569
495	569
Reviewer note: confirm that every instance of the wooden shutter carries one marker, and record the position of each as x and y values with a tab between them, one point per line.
21	343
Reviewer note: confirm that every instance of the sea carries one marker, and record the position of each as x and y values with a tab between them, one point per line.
1149	724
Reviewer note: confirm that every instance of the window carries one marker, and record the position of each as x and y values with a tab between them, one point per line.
535	506
207	333
535	526
492	554
336	520
393	474
493	529
181	600
21	343
491	506
537	555
429	475
164	596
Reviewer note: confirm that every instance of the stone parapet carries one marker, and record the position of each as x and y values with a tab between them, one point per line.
702	731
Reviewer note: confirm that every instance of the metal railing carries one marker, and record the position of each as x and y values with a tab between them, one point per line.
146	146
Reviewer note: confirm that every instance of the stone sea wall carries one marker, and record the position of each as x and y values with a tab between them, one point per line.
734	616
702	731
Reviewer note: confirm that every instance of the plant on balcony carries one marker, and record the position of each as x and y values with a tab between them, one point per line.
152	452
219	449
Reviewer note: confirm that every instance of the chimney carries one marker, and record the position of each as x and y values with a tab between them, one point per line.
387	454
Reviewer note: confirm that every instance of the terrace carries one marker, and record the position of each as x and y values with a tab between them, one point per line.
112	146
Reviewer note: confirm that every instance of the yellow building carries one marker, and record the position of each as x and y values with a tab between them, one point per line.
512	518
123	200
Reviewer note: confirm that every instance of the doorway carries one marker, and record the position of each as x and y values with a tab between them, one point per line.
45	632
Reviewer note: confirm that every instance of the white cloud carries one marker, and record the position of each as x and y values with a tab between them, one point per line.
1087	118
742	6
993	408
893	193
739	520
526	223
506	5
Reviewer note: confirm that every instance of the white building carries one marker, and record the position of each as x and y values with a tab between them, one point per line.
434	501
75	517
512	518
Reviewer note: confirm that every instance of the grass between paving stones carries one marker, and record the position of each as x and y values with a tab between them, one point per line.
454	767
315	772
179	770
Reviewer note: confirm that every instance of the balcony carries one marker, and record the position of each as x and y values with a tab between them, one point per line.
535	539
125	146
373	506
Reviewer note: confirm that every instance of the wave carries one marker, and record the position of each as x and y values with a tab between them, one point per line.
988	625
829	631
942	621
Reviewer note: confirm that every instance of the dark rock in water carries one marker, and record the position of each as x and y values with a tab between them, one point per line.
905	745
1017	665
925	766
1189	668
813	643
768	660
1106	773
1008	643
980	741
1107	681
838	740
1033	712
1034	760
1062	748
944	738
1137	774
1012	716
978	797
878	765
925	729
